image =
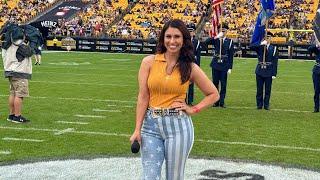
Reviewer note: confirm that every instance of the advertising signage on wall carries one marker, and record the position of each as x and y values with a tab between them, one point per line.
149	47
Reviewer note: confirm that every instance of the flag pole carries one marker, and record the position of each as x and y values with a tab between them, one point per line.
221	19
265	47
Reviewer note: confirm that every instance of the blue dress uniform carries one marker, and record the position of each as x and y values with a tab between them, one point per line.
197	52
220	66
264	73
316	76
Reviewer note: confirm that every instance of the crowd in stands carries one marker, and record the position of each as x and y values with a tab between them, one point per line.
241	16
91	21
136	19
21	11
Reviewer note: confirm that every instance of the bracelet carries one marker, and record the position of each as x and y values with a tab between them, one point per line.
195	109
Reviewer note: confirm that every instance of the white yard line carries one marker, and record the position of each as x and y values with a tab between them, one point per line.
102	100
280	92
20	139
260	145
197	140
284	110
83	83
88	116
5	152
274	81
68	122
68	130
77	99
58	130
106	110
116	59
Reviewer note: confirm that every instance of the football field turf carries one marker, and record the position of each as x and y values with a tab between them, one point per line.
82	105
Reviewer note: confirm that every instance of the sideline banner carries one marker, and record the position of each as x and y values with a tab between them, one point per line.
140	46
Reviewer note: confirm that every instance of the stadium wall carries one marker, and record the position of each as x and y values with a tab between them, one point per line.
286	51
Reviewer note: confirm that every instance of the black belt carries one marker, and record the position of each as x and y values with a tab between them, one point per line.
165	112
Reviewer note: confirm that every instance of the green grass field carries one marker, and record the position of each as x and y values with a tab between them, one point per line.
98	91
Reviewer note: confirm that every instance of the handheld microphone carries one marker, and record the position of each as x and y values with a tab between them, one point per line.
135	146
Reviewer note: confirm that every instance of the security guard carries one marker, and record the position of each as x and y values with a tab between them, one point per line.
197	52
222	63
266	70
316	75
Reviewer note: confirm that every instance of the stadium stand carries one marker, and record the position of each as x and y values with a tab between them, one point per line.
142	19
241	17
21	11
147	17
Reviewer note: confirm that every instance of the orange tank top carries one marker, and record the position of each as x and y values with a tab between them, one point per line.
164	88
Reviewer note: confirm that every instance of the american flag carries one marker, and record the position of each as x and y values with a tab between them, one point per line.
216	16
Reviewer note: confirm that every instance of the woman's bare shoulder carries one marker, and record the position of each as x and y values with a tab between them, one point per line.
148	60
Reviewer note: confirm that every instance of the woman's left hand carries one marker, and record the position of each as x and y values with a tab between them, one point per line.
182	106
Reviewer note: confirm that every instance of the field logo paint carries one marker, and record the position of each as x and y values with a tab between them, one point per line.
212	174
130	168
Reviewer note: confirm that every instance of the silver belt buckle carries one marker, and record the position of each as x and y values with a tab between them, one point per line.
165	112
154	113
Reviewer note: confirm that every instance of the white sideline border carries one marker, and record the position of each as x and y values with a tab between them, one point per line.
197	140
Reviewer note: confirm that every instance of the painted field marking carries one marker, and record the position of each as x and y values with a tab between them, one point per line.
90	99
58	130
285	110
68	122
280	92
68	130
116	59
88	116
105	110
5	152
82	74
78	99
83	83
197	140
260	145
69	63
121	101
20	139
286	82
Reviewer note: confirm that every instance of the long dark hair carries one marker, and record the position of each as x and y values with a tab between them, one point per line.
186	56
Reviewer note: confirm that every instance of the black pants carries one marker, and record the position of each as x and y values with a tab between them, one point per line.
220	77
316	86
263	84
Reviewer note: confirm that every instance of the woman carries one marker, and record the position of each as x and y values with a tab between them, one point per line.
163	123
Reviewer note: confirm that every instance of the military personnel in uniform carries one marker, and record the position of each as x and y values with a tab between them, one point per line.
266	70
197	52
221	63
316	75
